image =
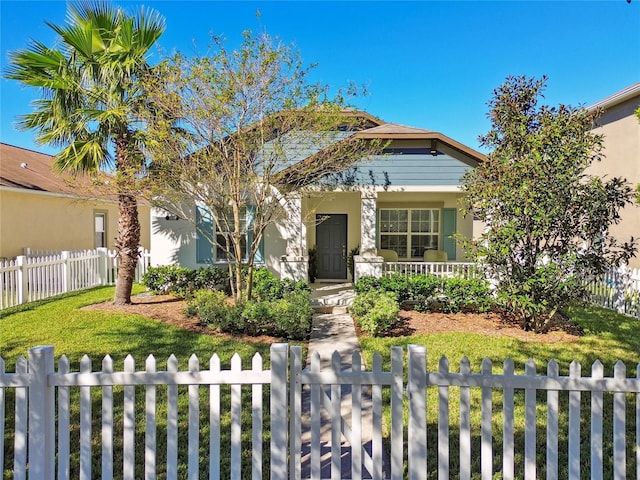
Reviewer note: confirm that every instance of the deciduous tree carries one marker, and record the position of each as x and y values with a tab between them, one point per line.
238	131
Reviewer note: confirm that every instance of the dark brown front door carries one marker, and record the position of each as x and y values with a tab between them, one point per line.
331	243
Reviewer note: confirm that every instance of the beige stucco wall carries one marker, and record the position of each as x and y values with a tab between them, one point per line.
42	221
621	130
349	203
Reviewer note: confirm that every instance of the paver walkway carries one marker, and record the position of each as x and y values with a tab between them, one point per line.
333	330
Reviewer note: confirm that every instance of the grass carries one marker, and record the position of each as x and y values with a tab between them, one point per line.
608	337
74	333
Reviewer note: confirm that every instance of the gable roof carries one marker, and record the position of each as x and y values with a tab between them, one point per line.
396	131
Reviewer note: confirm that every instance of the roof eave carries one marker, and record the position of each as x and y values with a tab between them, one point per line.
426	136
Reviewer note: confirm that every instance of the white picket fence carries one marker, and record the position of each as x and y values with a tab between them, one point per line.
618	290
440	269
42	424
34	276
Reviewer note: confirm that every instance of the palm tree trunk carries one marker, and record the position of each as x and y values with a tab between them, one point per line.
127	247
128	225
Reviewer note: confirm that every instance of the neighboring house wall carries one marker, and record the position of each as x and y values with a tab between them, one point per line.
621	130
37	213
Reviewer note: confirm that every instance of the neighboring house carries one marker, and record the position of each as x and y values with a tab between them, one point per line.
41	210
621	130
411	207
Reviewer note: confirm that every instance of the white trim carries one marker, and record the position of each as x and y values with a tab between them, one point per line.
618	97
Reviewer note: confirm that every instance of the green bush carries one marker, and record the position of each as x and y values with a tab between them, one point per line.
292	316
286	317
166	279
462	294
375	312
432	293
183	281
267	287
212	308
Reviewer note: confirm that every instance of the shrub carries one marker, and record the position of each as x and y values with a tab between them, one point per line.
213	309
267	287
211	278
183	281
166	279
292	316
466	294
375	312
365	284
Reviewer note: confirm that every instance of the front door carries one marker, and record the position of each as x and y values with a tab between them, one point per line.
331	244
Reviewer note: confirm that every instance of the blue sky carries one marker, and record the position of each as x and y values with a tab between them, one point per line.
426	64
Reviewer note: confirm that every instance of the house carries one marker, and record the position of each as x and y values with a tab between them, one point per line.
409	208
44	211
621	130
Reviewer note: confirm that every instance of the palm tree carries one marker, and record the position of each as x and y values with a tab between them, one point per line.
89	105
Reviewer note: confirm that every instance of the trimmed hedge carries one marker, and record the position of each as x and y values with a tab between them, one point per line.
432	293
376	312
183	281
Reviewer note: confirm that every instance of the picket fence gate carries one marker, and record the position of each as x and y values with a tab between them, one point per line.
39	275
41	436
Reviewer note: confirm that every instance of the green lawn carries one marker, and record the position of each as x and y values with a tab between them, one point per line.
608	337
74	333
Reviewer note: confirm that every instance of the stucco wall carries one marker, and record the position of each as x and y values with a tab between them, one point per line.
349	203
48	222
621	130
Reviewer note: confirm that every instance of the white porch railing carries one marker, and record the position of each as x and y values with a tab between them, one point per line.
441	269
29	278
37	428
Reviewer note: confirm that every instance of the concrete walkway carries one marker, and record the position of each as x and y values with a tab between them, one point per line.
333	330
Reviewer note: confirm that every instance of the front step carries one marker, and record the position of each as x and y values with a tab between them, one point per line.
333	309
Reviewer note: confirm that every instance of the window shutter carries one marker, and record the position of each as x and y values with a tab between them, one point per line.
449	218
377	228
259	257
204	232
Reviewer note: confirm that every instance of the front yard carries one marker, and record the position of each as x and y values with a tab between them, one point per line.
157	326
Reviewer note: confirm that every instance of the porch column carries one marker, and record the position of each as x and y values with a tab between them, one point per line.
294	265
368	263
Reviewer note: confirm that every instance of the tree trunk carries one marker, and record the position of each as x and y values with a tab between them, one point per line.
127	247
128	223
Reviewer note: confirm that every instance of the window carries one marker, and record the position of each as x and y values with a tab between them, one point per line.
409	231
206	230
100	229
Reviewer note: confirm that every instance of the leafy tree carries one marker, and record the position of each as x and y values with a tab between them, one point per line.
90	103
251	130
547	220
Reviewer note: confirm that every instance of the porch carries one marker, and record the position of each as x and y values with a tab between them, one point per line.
347	231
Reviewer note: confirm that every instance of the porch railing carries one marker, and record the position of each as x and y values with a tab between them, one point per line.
441	269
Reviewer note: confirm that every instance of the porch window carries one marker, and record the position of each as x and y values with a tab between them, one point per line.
409	231
207	230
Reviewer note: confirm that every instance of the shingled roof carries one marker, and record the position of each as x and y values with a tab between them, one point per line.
33	171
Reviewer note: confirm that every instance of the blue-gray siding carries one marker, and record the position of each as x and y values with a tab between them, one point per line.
421	169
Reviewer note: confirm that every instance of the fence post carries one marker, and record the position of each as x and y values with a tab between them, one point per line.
41	415
279	410
417	428
22	284
102	265
66	271
619	286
